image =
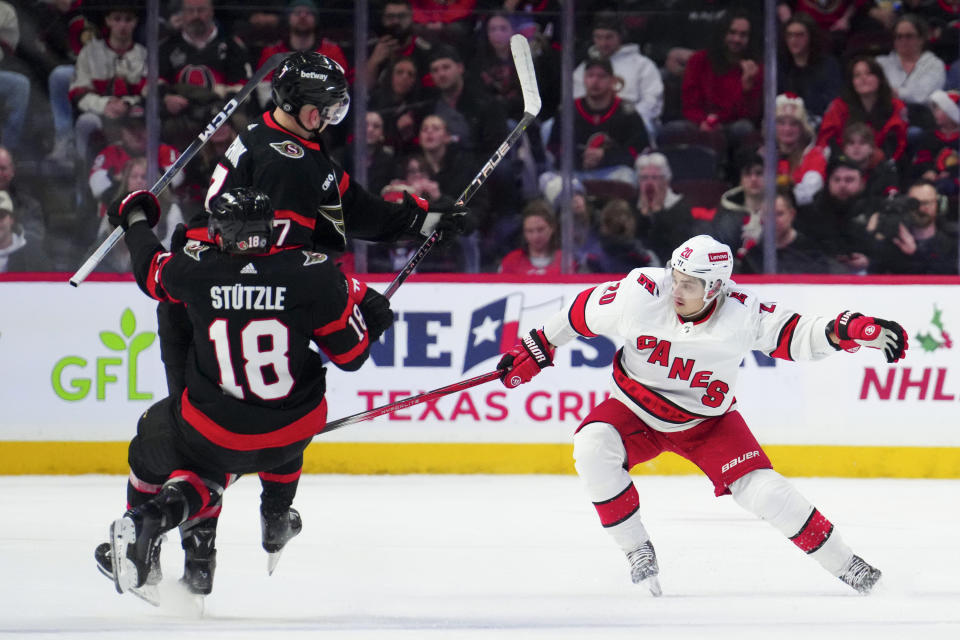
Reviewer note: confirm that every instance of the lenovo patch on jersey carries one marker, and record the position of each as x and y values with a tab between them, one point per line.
288	148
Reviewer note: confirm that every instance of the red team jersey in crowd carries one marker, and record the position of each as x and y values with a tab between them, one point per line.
673	374
109	163
517	262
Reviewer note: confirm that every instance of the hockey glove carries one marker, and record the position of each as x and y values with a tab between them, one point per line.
855	329
526	359
450	220
123	211
376	313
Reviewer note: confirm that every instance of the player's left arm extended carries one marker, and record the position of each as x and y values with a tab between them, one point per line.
788	335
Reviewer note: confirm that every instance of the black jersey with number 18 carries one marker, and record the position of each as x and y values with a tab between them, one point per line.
252	380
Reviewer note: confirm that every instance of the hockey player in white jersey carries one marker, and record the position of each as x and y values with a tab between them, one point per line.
685	330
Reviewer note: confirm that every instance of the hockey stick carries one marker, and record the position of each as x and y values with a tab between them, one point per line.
409	402
531	107
224	114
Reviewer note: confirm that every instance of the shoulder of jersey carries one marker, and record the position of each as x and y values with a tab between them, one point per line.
652	280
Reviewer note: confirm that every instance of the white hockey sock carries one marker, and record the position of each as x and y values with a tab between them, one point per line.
770	496
599	457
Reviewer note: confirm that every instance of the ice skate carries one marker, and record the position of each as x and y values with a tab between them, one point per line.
134	536
199	559
277	530
860	575
149	591
643	567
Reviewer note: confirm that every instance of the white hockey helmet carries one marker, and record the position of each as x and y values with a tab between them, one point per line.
704	258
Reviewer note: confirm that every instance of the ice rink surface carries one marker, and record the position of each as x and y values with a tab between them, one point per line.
490	557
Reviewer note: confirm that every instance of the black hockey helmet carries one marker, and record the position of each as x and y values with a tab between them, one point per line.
312	78
241	221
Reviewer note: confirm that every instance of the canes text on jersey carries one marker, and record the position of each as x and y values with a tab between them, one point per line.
247	297
682	369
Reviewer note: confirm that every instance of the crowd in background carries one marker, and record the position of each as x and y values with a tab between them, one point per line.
667	124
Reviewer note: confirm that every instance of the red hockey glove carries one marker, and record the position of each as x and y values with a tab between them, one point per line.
526	359
855	329
123	208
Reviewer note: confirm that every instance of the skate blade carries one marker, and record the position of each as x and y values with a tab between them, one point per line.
149	593
273	559
123	532
653	583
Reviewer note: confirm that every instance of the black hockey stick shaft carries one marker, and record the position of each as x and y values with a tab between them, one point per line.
222	116
409	402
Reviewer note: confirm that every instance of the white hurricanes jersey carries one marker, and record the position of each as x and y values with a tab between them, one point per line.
672	373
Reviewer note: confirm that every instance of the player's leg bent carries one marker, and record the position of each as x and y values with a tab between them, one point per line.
601	459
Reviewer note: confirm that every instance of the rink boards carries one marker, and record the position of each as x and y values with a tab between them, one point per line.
80	365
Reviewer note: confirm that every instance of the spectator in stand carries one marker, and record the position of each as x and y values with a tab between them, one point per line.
199	66
935	157
545	13
475	120
834	218
620	249
867	97
301	35
839	18
493	64
380	160
539	254
14	85
447	22
723	85
53	34
641	84
452	169
110	80
913	73
800	160
397	40
607	131
796	252
30	216
860	147
737	221
942	17
665	215
806	66
912	244
17	253
398	97
108	165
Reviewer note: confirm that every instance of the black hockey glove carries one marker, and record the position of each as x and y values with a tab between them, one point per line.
376	313
122	211
855	329
451	220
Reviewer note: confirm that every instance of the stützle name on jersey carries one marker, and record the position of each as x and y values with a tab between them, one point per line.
247	297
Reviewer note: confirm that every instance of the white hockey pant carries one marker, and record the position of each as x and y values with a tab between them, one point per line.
600	459
770	496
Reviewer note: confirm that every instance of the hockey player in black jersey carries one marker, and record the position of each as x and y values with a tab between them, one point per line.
315	205
254	395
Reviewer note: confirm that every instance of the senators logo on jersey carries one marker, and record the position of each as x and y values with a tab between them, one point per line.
288	148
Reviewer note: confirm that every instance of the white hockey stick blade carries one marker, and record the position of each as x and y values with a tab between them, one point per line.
523	61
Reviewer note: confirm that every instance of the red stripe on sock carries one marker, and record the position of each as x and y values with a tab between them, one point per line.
191	478
283	478
617	509
814	533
